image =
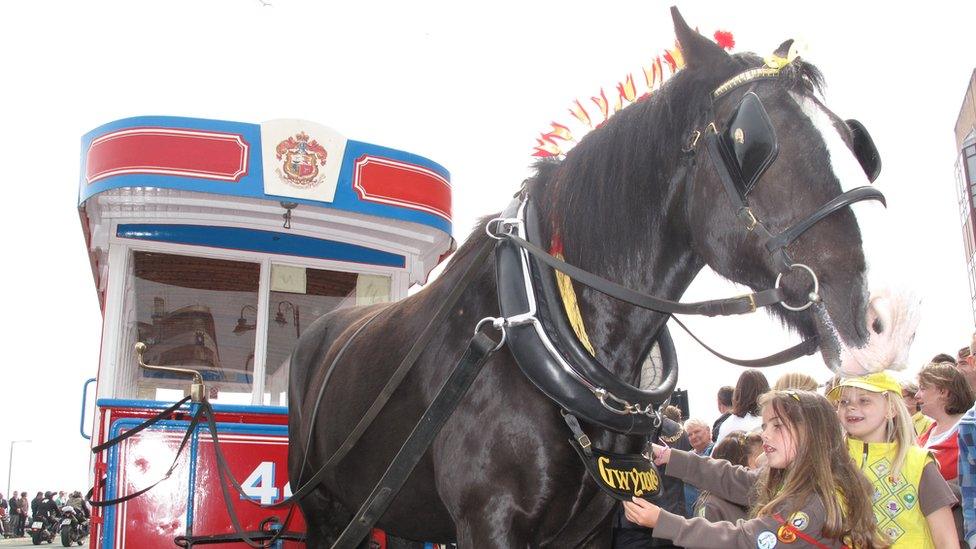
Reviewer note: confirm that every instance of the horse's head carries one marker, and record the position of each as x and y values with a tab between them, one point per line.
768	159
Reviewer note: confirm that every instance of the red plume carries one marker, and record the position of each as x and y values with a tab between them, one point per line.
725	39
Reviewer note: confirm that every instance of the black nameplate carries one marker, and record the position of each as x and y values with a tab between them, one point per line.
622	476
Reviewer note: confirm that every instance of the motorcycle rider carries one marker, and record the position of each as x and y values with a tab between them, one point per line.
81	506
48	509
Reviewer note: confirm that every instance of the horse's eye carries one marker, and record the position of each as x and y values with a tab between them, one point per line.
864	149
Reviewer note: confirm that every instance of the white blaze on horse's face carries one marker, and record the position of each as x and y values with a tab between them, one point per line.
892	316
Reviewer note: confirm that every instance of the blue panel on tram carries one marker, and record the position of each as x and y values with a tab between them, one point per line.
252	240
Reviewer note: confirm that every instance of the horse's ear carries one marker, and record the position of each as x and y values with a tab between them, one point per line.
784	49
697	50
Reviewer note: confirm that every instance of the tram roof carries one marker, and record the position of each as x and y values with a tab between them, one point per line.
177	170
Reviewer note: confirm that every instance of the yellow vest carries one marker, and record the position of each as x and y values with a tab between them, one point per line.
921	422
896	506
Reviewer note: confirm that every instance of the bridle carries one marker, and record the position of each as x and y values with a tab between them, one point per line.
745	148
740	151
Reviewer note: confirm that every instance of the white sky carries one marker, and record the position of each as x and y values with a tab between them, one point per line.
469	86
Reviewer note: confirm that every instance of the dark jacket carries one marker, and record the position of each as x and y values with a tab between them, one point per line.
48	508
35	506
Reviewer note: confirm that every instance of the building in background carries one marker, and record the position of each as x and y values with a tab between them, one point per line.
966	182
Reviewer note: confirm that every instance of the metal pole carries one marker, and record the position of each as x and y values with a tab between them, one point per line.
10	463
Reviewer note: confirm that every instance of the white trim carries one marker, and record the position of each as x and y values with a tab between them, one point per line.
118	259
258	367
422	245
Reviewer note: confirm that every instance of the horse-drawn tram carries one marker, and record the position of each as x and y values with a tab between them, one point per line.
215	244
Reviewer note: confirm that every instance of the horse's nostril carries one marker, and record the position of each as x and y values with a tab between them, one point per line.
877	326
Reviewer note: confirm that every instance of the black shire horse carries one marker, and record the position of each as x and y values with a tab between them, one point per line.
501	473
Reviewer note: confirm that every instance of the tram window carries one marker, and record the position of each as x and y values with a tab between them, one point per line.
190	312
298	297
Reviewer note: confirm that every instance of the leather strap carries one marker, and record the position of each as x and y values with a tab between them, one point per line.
805	347
839	202
717	307
399	374
179	451
479	350
151	421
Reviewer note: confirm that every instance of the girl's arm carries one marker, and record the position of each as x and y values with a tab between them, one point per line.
802	528
943	528
727	481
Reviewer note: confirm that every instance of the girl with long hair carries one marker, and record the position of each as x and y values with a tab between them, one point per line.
809	492
745	404
913	503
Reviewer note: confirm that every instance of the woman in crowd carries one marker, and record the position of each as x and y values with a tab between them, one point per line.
944	396
741	449
745	404
808	493
916	501
920	421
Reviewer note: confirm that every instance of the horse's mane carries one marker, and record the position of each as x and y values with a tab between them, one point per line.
611	181
619	172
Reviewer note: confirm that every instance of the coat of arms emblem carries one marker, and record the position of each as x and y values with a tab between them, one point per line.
301	159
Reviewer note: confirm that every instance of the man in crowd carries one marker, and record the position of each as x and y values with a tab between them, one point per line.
724	408
700	438
4	522
35	504
22	507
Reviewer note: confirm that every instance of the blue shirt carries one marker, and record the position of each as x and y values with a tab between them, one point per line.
967	473
691	492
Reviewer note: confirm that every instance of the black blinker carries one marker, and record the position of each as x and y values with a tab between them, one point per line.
749	142
864	149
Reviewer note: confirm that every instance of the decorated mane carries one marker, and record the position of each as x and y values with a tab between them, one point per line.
559	139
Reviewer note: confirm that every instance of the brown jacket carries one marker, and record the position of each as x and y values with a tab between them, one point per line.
715	509
795	528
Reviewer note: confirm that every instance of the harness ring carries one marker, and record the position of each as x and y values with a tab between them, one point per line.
497	323
501	222
813	296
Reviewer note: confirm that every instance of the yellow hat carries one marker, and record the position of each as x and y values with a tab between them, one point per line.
878	382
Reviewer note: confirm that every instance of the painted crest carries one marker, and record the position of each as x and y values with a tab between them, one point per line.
301	158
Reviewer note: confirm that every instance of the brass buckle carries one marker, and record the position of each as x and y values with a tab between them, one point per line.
751	220
752	301
692	141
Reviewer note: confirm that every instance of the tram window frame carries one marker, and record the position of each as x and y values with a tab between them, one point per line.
120	254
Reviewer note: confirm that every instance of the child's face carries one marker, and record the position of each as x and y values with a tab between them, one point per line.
756	458
778	442
864	414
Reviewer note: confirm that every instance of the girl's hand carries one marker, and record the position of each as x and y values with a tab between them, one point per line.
661	454
642	512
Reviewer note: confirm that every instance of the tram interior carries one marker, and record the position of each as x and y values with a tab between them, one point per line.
201	313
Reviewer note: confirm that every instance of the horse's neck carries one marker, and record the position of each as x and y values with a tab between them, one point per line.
663	265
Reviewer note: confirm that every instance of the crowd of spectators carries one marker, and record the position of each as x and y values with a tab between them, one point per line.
16	512
938	408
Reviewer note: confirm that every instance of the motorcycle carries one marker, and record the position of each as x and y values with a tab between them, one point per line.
43	529
74	529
